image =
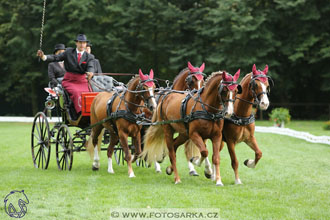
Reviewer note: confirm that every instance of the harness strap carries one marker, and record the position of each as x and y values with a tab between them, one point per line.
205	115
109	112
241	120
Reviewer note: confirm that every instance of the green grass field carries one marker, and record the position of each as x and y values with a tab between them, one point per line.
292	181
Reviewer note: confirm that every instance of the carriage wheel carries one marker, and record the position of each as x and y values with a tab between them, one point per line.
64	148
40	141
119	154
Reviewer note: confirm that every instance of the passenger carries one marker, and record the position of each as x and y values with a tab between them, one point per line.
97	65
77	63
56	69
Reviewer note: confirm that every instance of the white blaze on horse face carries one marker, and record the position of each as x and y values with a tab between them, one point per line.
152	100
264	101
199	84
230	107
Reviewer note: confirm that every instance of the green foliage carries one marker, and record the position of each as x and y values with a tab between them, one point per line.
326	125
164	35
280	115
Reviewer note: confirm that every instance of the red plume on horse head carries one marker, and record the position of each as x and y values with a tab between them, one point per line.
146	77
196	71
258	72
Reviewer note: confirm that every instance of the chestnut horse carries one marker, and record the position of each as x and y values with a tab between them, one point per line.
199	119
123	110
189	78
240	127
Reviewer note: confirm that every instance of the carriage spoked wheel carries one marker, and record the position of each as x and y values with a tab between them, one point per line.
64	148
40	141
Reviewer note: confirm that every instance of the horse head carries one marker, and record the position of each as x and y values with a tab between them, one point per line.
260	86
227	91
148	86
195	78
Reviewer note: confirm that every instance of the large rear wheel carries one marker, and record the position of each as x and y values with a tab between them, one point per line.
64	148
40	141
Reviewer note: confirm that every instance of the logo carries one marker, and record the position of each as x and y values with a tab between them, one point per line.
15	204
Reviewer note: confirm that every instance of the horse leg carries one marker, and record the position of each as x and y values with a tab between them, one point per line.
113	142
258	154
197	139
96	132
190	149
216	141
234	161
137	144
124	144
171	152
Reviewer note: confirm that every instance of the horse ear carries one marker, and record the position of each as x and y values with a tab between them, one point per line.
140	73
201	69
265	70
236	76
151	74
224	75
191	67
254	70
142	77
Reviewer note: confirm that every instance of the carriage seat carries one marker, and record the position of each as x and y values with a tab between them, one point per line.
102	83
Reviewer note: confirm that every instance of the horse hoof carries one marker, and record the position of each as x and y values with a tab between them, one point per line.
219	184
169	170
245	162
177	181
238	182
193	173
250	163
95	168
207	175
131	175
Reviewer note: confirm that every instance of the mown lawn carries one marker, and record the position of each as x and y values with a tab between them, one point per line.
292	181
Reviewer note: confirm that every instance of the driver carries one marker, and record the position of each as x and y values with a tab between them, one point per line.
77	63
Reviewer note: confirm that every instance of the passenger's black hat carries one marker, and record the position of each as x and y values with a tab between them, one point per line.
89	44
59	47
81	37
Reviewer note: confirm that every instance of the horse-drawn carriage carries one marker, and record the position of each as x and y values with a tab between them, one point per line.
66	141
200	117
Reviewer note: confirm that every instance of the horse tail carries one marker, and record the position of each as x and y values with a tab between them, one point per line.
191	150
155	148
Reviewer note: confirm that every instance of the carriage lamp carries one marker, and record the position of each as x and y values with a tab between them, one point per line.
50	103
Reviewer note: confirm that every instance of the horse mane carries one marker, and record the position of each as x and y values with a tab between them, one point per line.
132	80
245	77
179	75
214	74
